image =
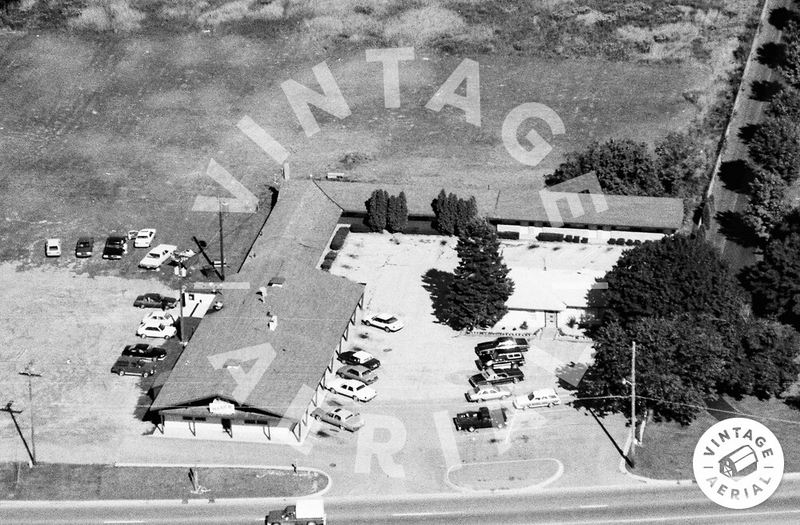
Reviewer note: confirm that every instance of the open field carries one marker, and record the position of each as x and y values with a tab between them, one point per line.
101	132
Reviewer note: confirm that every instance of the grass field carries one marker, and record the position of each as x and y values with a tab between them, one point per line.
668	447
102	132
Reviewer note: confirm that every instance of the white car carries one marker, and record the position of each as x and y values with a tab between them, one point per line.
384	321
158	316
487	392
545	397
156	329
52	248
144	238
351	388
157	256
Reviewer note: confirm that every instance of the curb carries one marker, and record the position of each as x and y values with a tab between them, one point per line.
535	487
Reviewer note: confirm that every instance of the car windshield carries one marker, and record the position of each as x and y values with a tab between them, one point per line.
153	255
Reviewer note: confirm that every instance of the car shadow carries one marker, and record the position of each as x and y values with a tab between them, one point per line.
438	283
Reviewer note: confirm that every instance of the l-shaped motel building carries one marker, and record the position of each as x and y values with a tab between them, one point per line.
255	370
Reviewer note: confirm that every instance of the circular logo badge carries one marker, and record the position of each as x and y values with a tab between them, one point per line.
738	463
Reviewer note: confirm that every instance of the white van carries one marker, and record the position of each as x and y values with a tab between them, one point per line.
545	397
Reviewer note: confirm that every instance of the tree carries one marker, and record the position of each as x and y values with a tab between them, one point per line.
481	285
623	167
397	213
466	212
775	146
668	277
444	213
785	104
377	210
768	204
764	365
679	164
678	363
774	283
789	67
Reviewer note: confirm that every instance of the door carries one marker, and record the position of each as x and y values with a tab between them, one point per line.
550	318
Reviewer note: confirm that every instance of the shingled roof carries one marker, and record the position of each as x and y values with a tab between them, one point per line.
519	204
312	308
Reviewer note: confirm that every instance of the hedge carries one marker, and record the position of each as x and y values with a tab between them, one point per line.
547	236
508	235
339	237
331	256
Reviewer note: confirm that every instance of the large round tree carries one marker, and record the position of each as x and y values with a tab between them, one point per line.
481	285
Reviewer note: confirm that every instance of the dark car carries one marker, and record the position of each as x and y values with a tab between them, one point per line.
155	300
145	351
84	247
133	366
497	377
502	344
359	357
115	247
497	360
481	418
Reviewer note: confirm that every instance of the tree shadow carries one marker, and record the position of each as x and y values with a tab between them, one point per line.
438	283
781	16
765	90
747	132
771	54
732	225
736	175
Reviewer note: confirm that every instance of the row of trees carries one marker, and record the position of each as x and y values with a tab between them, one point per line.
695	336
675	168
452	214
387	212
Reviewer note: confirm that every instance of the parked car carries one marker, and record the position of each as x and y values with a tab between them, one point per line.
156	329
357	372
84	247
155	300
500	360
115	247
144	238
157	256
359	357
158	316
145	352
52	248
481	418
497	377
351	388
339	417
384	321
133	366
546	397
487	392
520	344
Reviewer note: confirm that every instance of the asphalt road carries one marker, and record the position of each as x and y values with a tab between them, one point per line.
671	504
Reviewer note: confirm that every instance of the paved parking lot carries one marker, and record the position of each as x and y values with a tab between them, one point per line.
426	366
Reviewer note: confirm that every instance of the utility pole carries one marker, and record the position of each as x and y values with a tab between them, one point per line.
180	312
633	398
220	204
31	374
12	412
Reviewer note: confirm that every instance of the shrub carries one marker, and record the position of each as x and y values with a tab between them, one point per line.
508	235
331	256
612	241
629	242
548	236
377	210
338	239
584	240
326	265
620	242
568	238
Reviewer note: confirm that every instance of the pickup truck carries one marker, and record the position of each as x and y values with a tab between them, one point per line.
506	344
115	247
133	366
304	512
481	418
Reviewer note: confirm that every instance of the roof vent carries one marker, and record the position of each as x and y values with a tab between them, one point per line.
277	281
273	322
263	291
